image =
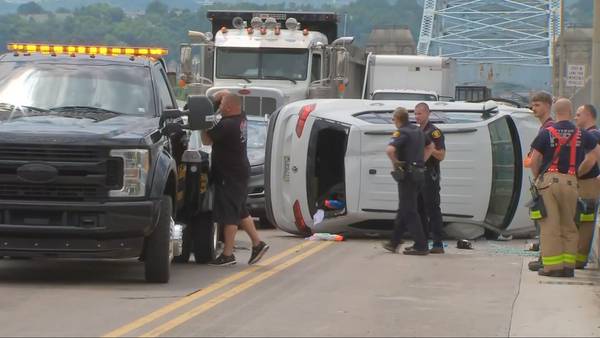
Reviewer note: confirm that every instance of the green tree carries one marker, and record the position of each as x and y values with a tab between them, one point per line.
30	8
62	10
157	7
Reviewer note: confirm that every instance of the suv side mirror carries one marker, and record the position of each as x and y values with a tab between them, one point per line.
200	112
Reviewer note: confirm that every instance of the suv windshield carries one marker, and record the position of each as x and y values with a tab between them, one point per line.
114	88
263	64
257	134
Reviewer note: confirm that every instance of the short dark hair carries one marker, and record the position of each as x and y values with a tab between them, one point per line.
592	110
423	105
401	115
542	97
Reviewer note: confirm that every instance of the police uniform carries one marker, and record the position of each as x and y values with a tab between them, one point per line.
429	198
563	148
410	142
589	192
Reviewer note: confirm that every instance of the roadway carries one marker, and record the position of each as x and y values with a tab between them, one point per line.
303	288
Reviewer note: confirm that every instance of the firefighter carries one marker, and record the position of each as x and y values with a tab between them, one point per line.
560	153
408	150
589	187
541	105
429	197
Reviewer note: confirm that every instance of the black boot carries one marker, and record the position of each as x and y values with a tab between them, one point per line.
536	265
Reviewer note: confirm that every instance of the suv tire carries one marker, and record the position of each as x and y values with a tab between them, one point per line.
158	246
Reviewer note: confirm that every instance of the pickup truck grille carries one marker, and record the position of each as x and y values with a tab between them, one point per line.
82	173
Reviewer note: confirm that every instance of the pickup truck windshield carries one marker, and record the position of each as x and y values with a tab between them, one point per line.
404	96
114	88
262	64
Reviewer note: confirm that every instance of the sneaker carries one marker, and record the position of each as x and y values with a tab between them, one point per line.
258	252
437	250
414	252
390	247
223	260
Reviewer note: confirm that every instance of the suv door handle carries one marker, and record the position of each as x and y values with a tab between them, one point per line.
372	172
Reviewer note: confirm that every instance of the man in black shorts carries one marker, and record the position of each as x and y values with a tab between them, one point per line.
230	172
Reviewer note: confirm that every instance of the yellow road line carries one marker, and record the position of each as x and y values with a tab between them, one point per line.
213	287
177	321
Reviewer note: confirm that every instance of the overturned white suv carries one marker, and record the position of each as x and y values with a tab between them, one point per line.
327	171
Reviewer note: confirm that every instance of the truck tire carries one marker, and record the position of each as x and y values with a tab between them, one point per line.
205	235
187	248
158	246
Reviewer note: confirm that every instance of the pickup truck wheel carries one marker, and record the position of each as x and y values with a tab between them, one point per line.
206	237
186	252
158	246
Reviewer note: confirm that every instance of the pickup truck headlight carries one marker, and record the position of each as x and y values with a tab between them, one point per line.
136	164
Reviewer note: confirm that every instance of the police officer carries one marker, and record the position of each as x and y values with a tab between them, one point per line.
559	154
589	187
230	171
407	153
429	197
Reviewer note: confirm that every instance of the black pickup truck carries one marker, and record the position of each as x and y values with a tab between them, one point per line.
95	159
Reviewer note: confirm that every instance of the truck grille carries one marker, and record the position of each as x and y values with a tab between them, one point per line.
259	106
82	173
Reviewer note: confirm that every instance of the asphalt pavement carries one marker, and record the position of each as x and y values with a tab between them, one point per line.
303	288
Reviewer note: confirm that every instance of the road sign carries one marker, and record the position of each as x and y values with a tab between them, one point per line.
576	76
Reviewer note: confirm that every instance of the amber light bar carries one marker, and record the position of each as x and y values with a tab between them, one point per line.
89	50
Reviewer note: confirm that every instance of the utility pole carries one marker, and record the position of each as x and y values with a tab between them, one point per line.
596	57
562	59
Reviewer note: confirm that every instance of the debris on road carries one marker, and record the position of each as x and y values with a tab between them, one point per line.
464	244
325	237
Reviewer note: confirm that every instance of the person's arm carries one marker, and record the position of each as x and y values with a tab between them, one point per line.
429	151
206	139
215	134
391	153
397	141
539	145
536	163
438	139
591	159
439	154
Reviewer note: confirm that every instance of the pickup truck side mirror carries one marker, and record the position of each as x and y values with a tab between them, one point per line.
172	77
200	112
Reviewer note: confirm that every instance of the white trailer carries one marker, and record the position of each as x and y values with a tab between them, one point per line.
399	74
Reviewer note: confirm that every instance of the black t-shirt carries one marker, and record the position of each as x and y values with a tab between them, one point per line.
437	137
410	142
229	152
595	172
546	144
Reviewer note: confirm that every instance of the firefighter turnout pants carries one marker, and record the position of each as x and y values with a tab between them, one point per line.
589	190
558	232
